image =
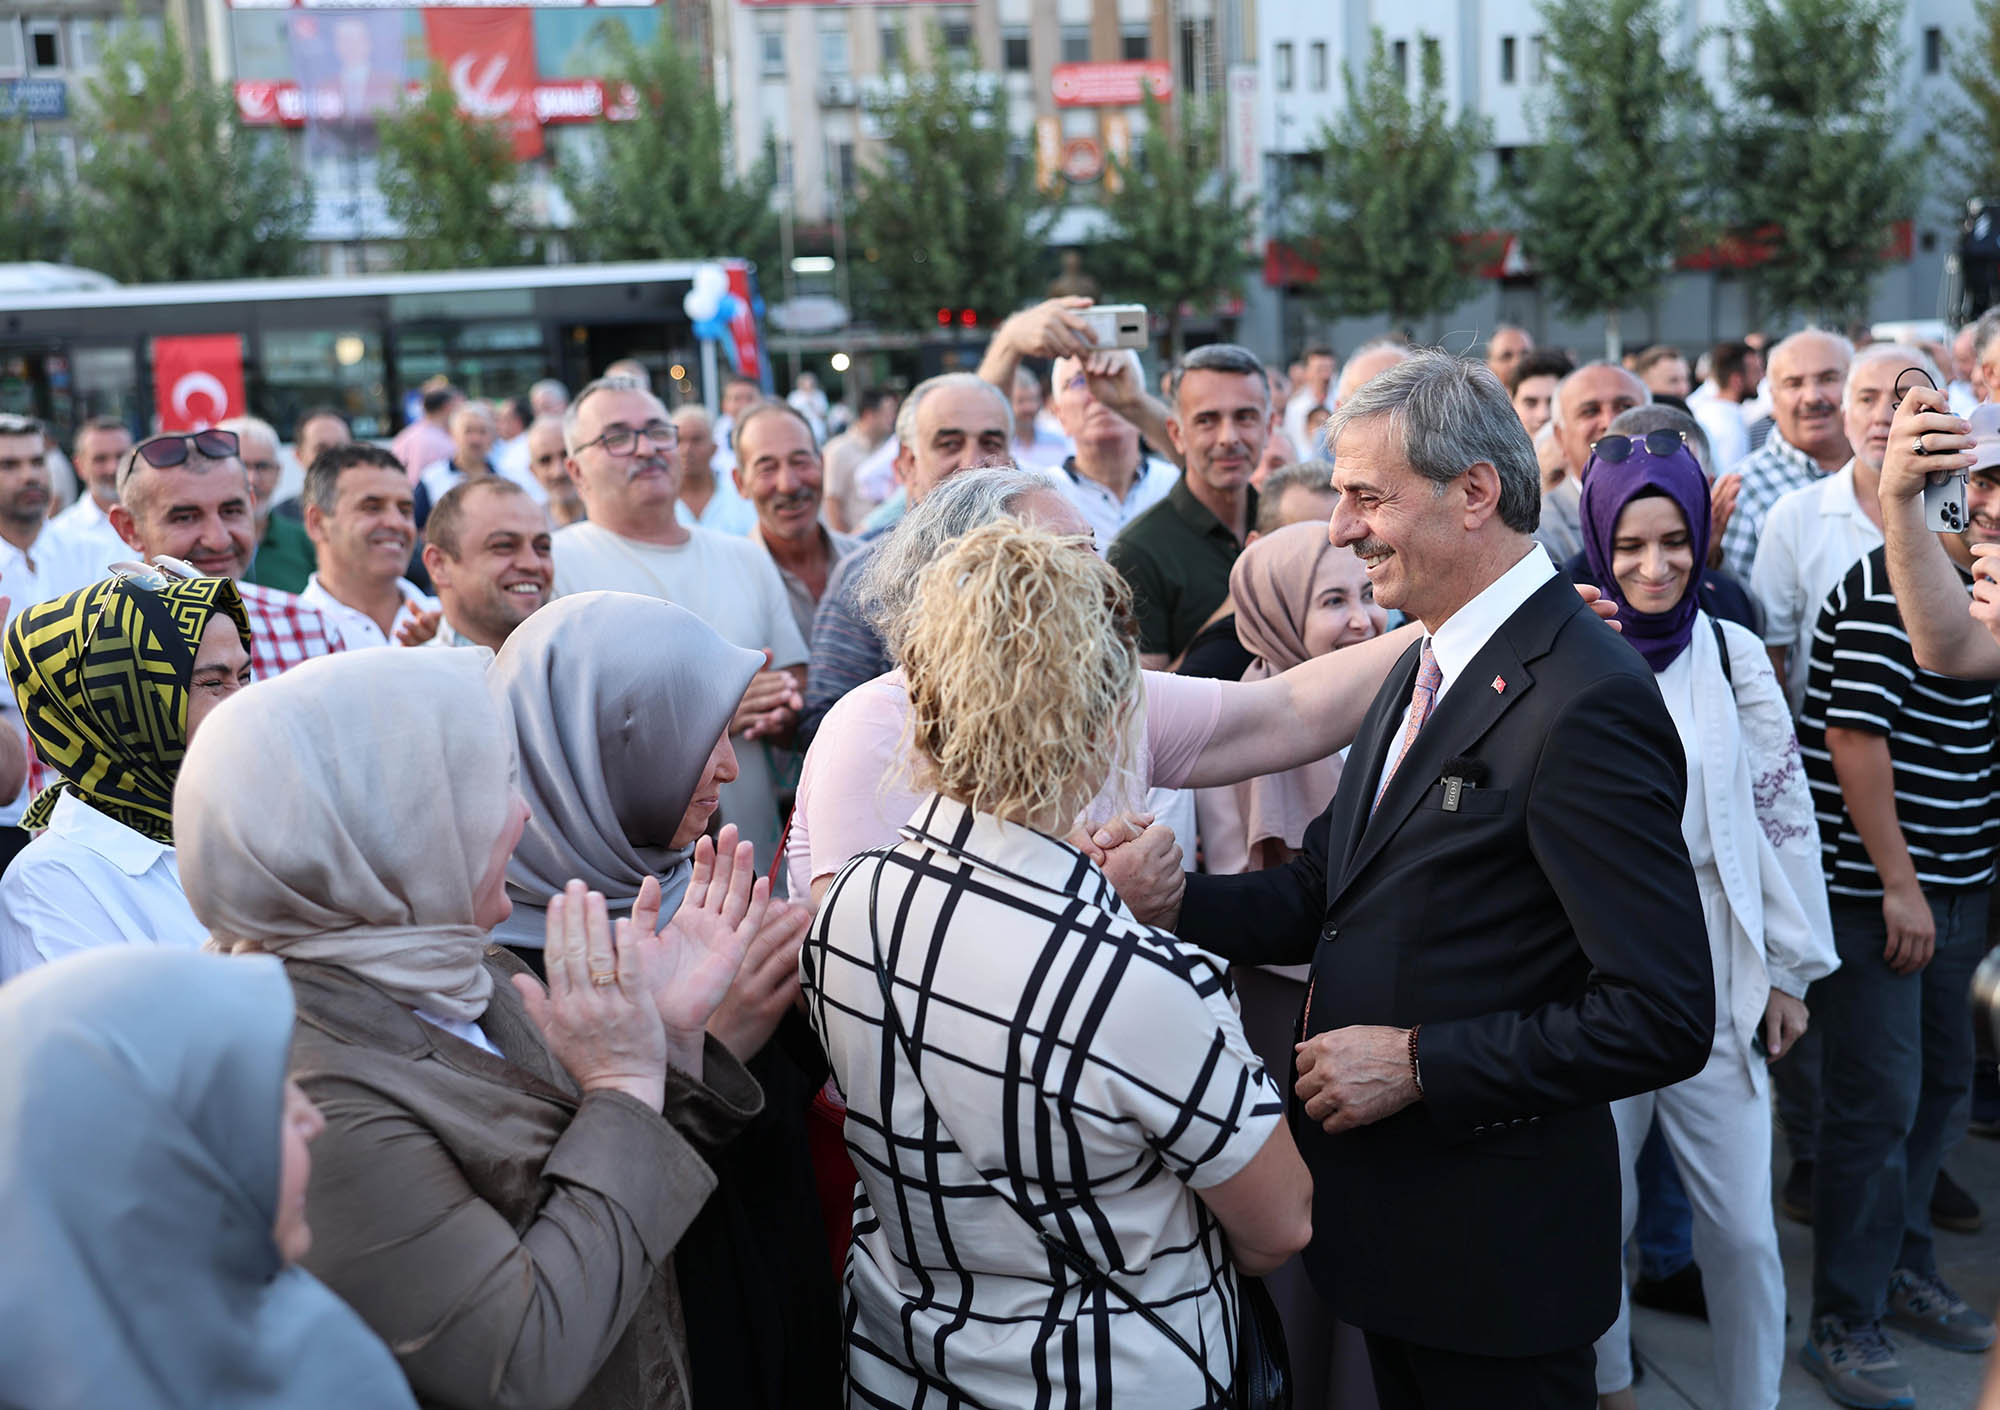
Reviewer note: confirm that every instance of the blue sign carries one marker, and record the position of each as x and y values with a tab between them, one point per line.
34	98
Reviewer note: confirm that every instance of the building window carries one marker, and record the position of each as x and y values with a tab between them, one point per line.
843	166
1014	49
1538	58
771	52
1135	41
44	46
1282	62
1076	43
892	45
1432	55
10	45
836	56
956	28
785	165
1399	56
1506	58
1316	67
1933	50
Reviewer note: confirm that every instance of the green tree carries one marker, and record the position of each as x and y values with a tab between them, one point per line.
1388	217
1817	178
452	183
945	217
1616	188
1970	126
34	202
1179	227
660	186
171	186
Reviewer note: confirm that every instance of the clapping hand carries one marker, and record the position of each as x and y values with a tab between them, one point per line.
420	627
596	1015
767	983
689	966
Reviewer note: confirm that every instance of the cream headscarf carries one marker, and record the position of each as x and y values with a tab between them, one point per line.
617	701
344	813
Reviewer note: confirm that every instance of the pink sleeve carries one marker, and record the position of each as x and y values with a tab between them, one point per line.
855	789
1181	713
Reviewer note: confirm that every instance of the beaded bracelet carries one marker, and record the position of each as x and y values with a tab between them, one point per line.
1416	1072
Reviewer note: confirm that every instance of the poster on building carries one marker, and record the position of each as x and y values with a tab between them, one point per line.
197	381
489	58
1048	152
349	68
1246	161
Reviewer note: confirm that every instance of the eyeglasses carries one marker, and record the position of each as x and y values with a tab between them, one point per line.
155	576
623	440
1615	449
165	452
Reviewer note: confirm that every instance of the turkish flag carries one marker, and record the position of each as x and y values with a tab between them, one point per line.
488	56
197	381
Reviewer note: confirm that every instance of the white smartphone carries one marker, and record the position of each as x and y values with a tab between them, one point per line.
1118	325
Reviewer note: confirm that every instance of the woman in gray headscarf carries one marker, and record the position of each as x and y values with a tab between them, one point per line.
152	1174
621	705
505	1171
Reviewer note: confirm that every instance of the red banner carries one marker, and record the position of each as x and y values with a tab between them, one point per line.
197	381
489	58
743	327
1117	85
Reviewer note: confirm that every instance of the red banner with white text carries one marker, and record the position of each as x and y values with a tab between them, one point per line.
197	381
488	56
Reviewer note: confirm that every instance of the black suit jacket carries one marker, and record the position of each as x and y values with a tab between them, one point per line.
1548	936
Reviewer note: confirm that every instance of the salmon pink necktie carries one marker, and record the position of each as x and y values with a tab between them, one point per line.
1423	698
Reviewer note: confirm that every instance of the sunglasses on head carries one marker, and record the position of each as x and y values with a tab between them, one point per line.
154	576
165	452
1616	448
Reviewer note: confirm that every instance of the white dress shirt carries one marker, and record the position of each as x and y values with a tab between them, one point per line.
726	512
355	628
1811	538
1300	407
1466	632
54	565
83	536
1105	511
89	880
1728	433
442	476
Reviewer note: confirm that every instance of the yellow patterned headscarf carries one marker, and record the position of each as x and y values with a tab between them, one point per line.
102	676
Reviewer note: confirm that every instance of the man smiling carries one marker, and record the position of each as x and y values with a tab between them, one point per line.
487	551
361	514
1809	440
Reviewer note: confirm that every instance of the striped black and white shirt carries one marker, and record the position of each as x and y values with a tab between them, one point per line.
1865	677
1091	1066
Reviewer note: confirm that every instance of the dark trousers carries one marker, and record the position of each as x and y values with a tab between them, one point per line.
1896	1085
1412	1377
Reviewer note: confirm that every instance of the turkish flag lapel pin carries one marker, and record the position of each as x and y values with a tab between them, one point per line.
1499	686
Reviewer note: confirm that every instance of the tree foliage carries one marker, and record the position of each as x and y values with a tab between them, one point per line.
1618	185
171	186
945	217
1817	177
1179	226
34	201
1970	126
661	185
1389	218
450	180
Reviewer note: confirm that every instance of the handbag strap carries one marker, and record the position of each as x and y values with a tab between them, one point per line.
1075	1259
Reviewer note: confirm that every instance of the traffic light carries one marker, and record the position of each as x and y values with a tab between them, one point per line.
965	317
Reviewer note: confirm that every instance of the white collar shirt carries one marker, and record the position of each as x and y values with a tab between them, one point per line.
87	544
89	880
1466	632
1106	512
355	628
1812	538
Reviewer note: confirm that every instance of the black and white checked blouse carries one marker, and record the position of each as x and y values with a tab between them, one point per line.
1090	1065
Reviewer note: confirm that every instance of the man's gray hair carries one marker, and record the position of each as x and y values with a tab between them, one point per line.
246	427
1344	388
1313	475
611	382
1891	352
1661	417
135	474
1450	414
1841	343
548	387
1556	401
906	414
888	581
1219	357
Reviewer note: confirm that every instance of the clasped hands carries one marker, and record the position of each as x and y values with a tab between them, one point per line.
624	1000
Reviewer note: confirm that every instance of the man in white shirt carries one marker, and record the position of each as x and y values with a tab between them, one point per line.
708	497
86	525
472	434
739	394
1734	370
363	523
1036	445
1815	534
848	500
623	457
487	550
1315	391
1109	478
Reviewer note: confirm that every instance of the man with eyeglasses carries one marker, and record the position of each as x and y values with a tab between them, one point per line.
284	558
1109	477
624	457
188	496
86	525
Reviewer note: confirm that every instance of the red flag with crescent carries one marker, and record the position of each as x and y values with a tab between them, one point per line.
197	381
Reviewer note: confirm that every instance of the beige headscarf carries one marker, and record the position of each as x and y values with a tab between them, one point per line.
344	812
1272	586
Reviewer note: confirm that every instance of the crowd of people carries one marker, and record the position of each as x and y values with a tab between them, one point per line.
1023	890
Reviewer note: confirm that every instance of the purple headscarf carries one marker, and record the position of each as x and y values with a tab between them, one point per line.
1607	489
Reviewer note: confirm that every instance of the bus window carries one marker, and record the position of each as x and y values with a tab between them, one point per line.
304	368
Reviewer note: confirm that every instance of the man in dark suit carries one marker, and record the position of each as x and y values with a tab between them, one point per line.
1501	918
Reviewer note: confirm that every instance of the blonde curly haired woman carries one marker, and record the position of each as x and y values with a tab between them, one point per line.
1067	1148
